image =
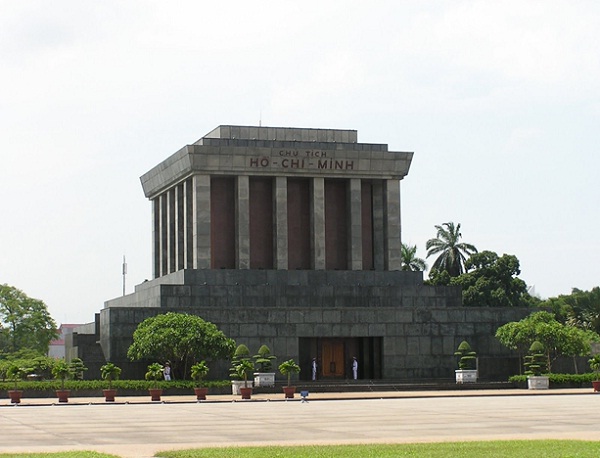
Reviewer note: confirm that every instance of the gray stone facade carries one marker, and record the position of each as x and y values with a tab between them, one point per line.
420	326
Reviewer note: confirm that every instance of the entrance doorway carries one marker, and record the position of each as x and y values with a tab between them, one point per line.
334	357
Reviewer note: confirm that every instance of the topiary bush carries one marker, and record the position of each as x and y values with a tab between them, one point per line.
468	357
536	362
264	359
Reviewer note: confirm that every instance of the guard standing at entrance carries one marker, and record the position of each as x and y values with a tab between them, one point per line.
313	366
354	368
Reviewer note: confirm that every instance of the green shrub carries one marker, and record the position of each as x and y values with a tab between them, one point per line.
198	371
77	368
264	359
467	358
536	362
98	385
560	379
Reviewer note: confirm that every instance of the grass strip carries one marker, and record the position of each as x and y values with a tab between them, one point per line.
487	449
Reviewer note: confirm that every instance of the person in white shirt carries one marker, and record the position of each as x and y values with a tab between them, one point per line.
313	366
167	371
354	368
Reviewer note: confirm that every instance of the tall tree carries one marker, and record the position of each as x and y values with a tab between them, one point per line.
558	339
410	261
492	282
25	323
584	308
452	254
180	338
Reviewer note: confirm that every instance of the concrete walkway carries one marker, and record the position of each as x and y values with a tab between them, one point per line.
135	427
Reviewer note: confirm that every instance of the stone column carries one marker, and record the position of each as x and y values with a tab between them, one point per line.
280	224
171	231
318	223
156	258
378	226
242	223
392	221
355	224
164	233
179	227
188	224
201	221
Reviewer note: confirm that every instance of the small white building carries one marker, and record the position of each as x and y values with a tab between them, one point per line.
57	346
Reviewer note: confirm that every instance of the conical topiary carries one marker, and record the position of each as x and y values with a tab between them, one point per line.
536	362
467	356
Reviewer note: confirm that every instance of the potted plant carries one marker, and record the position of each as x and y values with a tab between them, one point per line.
15	373
241	371
287	368
241	353
264	360
536	364
198	371
154	374
62	371
467	370
594	363
110	372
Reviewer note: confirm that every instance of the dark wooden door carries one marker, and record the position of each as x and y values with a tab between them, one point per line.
332	357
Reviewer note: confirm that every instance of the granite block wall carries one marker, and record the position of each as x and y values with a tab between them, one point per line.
420	326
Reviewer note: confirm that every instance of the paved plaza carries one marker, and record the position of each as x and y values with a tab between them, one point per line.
135	428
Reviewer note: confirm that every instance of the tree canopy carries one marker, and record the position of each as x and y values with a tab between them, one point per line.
180	338
452	254
558	339
410	261
491	282
580	308
25	323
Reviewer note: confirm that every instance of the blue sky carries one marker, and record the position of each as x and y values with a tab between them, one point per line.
500	102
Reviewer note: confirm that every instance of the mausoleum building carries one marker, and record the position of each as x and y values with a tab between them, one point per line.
291	237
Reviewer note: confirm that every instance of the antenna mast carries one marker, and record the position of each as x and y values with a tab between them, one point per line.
124	273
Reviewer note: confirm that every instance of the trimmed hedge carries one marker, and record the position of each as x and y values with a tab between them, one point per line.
561	379
89	385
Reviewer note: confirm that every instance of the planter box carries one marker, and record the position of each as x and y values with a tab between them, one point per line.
155	393
15	396
63	395
109	395
466	375
538	382
289	391
264	379
237	384
200	393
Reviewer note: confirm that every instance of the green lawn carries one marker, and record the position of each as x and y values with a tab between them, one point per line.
491	449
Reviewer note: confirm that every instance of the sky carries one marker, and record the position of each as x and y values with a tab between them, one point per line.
499	101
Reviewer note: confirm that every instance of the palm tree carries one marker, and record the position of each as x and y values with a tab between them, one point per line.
452	254
410	260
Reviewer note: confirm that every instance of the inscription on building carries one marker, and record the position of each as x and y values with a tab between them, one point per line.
301	159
